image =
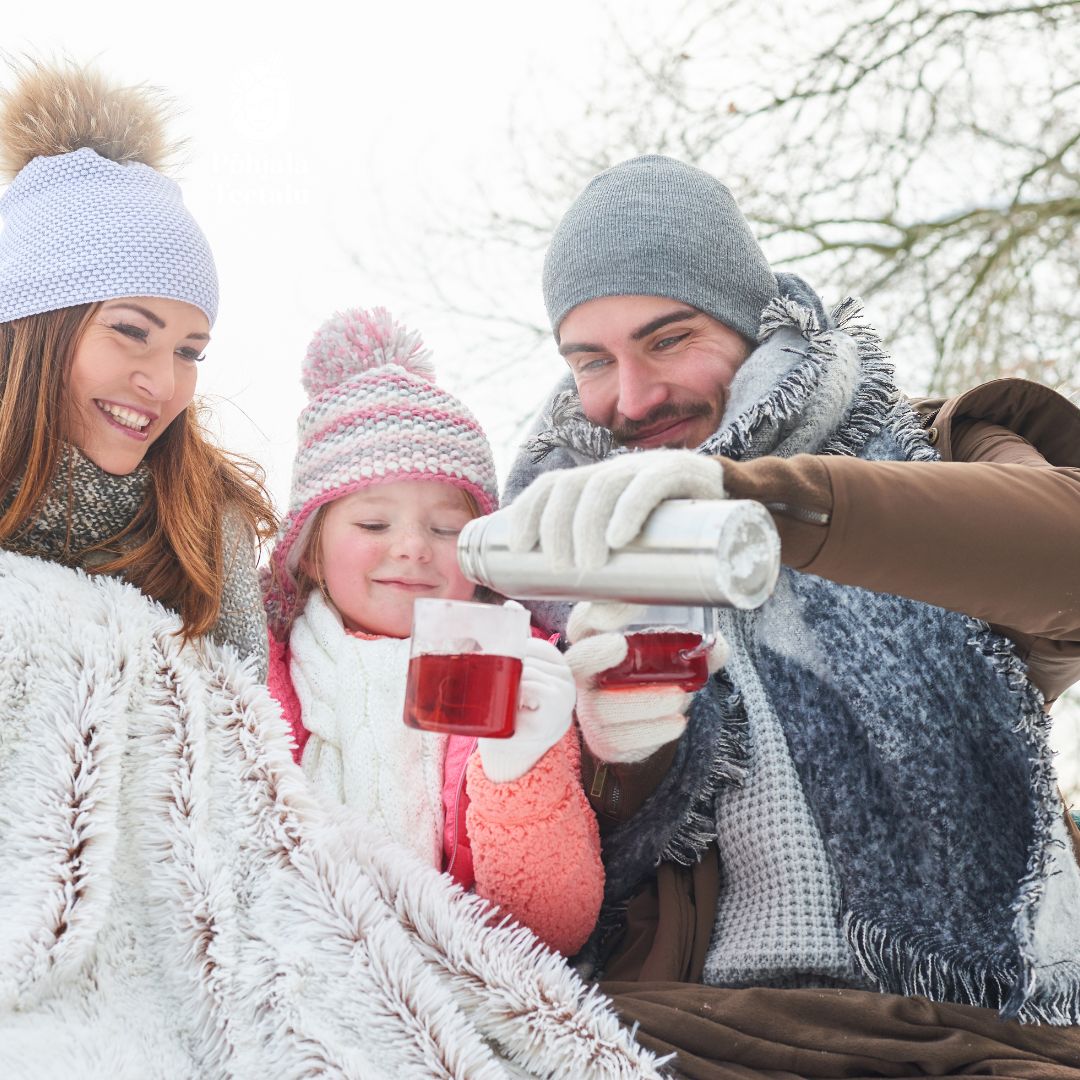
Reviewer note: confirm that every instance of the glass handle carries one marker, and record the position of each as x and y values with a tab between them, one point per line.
708	635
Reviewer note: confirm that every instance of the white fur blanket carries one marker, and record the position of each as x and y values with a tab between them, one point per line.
175	903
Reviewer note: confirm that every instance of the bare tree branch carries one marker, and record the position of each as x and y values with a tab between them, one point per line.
922	153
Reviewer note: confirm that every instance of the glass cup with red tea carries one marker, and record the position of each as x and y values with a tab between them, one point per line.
465	667
665	646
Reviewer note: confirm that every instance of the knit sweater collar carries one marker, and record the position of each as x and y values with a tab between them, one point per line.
351	689
84	507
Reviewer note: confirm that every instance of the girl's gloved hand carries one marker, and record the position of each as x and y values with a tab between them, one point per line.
545	710
625	725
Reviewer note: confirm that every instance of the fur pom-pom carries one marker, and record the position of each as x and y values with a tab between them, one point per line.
357	340
56	108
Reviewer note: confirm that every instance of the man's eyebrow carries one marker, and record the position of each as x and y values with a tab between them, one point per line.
146	313
663	320
641	332
576	346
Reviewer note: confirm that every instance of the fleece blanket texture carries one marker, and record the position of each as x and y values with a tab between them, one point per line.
175	902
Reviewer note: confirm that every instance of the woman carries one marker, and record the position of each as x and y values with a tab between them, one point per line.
108	293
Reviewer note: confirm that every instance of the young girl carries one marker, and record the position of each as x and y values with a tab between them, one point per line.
389	469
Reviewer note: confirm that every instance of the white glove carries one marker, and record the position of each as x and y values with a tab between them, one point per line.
579	514
623	724
545	709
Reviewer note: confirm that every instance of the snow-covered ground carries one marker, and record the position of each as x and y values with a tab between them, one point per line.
1066	741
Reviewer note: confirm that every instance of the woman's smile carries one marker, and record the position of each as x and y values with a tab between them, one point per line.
132	421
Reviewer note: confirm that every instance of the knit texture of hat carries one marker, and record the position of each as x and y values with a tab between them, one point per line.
375	416
654	226
86	217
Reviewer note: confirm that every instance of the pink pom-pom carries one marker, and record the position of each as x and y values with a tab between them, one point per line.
357	340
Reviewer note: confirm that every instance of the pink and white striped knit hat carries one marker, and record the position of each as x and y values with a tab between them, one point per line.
375	415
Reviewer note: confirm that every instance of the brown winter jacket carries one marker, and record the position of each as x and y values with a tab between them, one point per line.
993	531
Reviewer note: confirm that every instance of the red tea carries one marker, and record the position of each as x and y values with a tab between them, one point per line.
667	657
463	694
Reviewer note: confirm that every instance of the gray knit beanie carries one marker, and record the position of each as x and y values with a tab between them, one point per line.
654	226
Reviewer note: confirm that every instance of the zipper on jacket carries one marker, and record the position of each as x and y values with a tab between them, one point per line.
596	791
457	807
605	790
616	798
799	513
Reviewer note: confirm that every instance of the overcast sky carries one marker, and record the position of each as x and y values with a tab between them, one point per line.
319	139
322	145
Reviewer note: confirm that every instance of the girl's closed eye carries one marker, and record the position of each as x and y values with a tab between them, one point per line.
372	526
189	353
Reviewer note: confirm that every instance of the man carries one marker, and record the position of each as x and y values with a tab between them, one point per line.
863	800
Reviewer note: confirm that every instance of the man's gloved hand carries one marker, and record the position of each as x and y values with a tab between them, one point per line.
627	724
578	515
545	710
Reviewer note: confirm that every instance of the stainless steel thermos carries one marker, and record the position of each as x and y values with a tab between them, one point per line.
723	552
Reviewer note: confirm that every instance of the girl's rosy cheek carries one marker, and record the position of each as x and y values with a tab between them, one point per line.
359	551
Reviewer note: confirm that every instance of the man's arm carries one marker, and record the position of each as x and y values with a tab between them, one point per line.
994	534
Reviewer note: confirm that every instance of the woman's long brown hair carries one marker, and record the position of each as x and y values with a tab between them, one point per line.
173	550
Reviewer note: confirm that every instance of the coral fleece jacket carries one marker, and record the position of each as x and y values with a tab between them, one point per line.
530	845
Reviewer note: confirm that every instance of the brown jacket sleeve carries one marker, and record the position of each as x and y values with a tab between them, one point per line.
994	536
994	540
992	533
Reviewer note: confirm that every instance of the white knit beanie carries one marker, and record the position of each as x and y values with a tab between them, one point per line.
88	216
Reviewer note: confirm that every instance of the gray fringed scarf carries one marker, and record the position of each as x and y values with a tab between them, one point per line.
86	507
897	824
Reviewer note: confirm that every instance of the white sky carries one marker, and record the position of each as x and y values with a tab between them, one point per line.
317	133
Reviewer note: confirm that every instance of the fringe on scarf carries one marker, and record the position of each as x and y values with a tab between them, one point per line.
697	829
877	392
875	395
1010	985
571	429
1033	725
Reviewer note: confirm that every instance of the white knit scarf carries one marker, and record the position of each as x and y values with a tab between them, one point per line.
352	696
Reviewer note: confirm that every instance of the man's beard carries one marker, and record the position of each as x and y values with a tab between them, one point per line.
630	430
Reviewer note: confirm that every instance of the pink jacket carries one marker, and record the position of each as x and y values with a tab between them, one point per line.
530	845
